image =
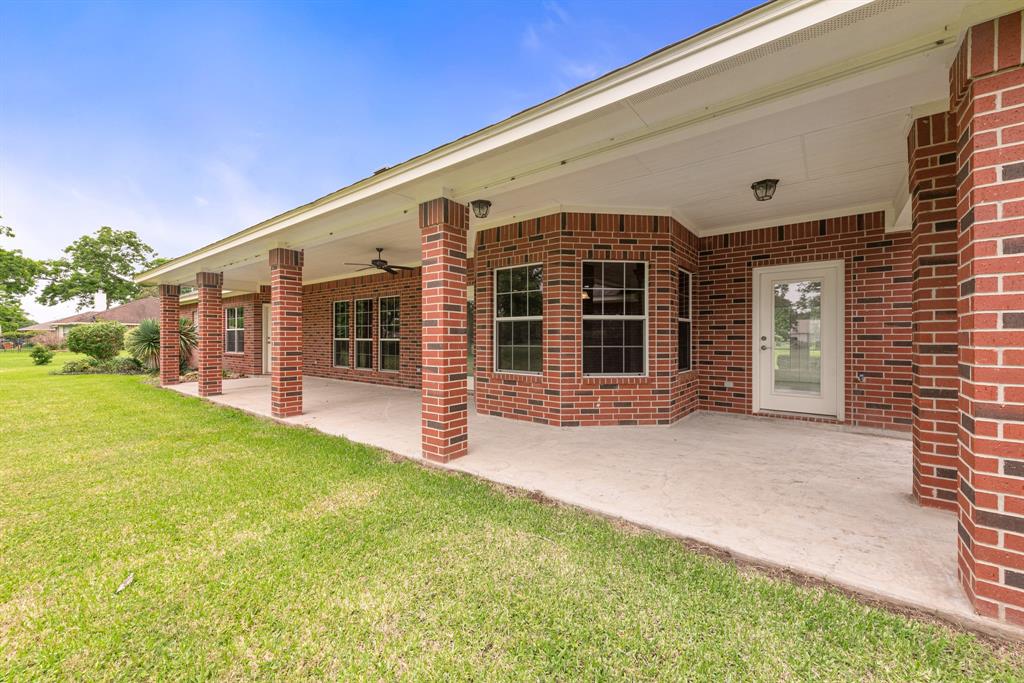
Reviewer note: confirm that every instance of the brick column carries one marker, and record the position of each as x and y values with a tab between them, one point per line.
285	332
210	333
931	147
987	92
443	225
169	342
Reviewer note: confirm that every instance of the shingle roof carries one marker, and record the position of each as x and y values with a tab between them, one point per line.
131	313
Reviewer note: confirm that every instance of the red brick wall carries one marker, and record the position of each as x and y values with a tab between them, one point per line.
318	319
561	394
878	315
250	362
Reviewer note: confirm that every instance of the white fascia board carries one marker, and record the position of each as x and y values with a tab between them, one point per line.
754	28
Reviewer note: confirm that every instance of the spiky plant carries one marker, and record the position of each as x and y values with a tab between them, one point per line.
143	343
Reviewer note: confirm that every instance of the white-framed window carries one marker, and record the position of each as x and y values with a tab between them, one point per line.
614	317
342	320
519	319
364	334
685	320
234	325
389	316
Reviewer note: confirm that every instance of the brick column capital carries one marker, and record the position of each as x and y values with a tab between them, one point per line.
987	48
170	290
286	258
214	280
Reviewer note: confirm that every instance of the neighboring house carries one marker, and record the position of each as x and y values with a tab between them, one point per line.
623	269
129	314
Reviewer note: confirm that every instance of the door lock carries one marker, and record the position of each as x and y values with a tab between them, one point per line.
764	347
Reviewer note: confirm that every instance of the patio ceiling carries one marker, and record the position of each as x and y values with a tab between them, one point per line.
817	93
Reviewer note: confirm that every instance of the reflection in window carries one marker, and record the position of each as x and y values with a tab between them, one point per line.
390	333
234	341
364	334
685	320
614	318
796	349
341	324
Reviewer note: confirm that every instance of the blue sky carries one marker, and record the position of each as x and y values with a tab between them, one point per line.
189	121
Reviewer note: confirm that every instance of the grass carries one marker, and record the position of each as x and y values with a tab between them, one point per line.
261	551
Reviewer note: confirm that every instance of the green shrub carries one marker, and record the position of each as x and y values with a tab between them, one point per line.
144	343
101	341
41	355
111	366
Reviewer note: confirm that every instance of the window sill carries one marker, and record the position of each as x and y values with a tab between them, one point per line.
615	379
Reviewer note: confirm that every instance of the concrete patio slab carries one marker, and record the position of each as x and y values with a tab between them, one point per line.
816	499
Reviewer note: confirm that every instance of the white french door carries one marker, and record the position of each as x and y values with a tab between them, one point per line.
266	339
798	338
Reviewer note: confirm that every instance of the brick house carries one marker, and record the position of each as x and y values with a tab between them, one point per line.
621	270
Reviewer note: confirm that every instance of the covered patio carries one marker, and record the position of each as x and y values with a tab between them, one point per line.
811	213
820	500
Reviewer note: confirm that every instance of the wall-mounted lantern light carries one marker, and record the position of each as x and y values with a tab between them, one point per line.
765	189
481	207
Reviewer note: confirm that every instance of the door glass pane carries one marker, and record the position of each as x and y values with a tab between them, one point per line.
796	352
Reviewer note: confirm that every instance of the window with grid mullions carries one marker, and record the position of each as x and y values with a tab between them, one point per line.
614	317
389	314
519	319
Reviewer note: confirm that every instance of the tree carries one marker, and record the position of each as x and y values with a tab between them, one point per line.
18	275
103	262
12	315
151	290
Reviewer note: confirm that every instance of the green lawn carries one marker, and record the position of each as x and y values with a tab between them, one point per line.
261	551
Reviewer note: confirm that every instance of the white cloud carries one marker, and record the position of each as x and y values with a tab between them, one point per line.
530	40
580	71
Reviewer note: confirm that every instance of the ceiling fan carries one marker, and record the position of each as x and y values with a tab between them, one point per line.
380	264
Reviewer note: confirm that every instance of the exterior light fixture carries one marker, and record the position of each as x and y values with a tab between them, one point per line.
765	189
481	207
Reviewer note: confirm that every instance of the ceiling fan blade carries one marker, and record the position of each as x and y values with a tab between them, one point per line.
359	270
403	267
390	269
358	264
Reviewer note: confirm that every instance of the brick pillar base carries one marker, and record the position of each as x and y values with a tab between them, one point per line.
210	319
931	148
443	225
285	332
169	341
987	90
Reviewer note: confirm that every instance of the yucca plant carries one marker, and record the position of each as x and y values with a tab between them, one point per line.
143	343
